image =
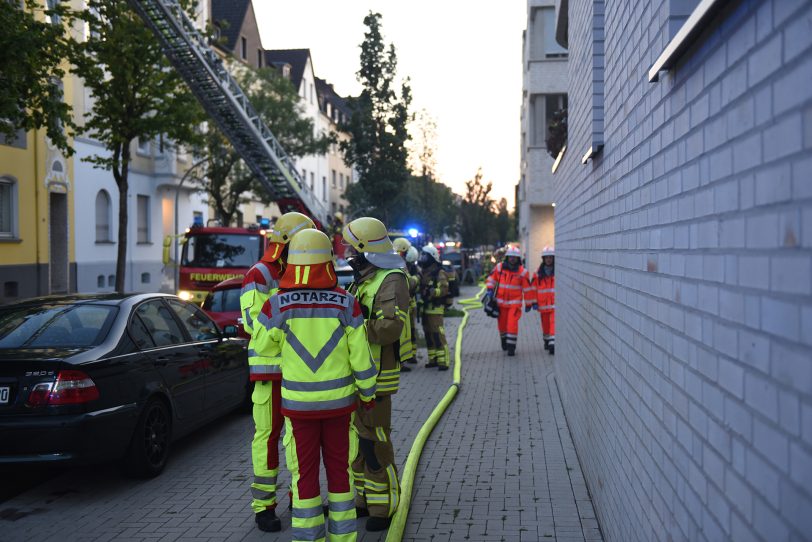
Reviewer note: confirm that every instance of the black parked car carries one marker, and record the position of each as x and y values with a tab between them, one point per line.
90	378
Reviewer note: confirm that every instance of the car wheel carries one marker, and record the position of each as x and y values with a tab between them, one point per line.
149	448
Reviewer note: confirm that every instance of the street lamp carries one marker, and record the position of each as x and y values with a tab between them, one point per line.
186	175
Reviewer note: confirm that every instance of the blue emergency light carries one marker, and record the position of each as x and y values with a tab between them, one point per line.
198	221
265	223
413	233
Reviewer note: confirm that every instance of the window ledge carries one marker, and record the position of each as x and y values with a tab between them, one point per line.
591	153
559	158
687	34
10	240
105	242
144	243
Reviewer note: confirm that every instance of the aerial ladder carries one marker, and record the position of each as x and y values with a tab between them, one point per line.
226	103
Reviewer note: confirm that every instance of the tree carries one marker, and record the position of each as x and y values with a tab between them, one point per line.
378	129
476	213
503	222
136	95
227	180
33	46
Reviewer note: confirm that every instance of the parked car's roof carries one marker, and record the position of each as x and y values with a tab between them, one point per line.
74	299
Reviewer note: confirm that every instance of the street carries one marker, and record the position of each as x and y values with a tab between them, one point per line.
500	465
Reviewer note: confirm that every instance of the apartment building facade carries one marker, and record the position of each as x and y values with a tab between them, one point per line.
156	189
544	92
684	265
37	188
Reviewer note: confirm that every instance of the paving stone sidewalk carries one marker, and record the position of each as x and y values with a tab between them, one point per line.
472	482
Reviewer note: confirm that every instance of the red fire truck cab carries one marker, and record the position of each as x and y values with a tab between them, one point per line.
211	255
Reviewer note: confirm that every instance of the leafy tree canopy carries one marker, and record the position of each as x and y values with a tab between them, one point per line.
378	129
33	46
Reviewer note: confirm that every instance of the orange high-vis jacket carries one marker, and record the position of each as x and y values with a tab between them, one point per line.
545	292
511	286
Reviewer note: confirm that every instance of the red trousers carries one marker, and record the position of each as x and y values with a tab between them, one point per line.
509	323
337	443
548	323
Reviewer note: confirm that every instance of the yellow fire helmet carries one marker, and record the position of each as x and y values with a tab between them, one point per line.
310	261
310	247
401	245
283	231
369	236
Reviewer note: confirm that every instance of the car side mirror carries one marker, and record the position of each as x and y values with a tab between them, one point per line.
230	331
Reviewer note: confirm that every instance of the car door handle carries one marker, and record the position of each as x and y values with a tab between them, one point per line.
161	360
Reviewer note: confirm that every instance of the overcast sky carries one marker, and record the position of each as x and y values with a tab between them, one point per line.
463	58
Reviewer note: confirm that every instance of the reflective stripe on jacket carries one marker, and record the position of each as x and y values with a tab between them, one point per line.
384	294
258	285
325	358
511	286
545	291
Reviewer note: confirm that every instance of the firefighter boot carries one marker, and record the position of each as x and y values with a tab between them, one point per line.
504	343
375	524
511	350
268	522
405	368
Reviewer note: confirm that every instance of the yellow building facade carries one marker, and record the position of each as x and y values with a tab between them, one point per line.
36	217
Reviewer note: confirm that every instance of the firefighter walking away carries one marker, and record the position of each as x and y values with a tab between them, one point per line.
509	283
544	281
318	330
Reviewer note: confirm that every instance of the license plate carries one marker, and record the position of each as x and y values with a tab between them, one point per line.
5	391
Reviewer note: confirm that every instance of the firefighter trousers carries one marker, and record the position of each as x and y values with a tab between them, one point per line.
548	324
437	347
267	398
336	441
509	325
376	477
413	320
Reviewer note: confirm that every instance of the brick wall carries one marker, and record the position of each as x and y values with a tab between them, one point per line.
685	274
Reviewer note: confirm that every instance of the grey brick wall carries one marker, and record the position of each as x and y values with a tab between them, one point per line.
685	274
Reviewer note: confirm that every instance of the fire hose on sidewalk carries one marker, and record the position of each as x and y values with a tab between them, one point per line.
407	478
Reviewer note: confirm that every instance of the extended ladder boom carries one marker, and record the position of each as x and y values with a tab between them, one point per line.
226	103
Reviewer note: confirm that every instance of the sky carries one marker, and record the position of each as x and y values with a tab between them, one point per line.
463	59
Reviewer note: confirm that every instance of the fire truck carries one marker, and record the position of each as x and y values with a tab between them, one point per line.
212	254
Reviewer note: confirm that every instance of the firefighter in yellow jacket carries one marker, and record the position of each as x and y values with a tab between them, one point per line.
317	329
433	294
408	348
382	289
259	284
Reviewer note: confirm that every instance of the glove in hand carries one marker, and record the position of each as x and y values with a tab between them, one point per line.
528	308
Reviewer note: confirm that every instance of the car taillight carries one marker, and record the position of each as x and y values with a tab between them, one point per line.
70	388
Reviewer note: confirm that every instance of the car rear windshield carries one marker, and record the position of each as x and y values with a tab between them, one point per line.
55	326
227	300
221	250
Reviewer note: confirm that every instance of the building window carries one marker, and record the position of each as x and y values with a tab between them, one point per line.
259	58
324	188
550	47
145	278
334	178
333	205
341	180
311	92
597	79
142	219
243	48
103	217
142	147
100	281
111	281
542	109
8	208
11	289
312	181
304	178
286	71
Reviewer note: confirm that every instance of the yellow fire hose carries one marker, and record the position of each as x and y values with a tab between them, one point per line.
398	524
